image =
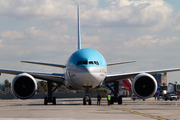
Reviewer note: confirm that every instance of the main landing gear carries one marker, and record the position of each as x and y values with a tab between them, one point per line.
50	99
87	98
115	98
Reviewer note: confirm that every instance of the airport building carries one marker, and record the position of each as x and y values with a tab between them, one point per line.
161	78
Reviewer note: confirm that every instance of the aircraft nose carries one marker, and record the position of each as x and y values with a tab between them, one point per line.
87	76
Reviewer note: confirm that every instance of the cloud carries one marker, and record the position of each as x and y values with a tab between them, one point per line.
143	40
11	35
42	9
152	15
36	43
90	41
150	41
176	21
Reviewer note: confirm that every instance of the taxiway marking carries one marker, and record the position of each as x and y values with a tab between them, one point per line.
137	113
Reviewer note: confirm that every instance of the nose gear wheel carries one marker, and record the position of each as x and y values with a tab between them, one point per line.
87	98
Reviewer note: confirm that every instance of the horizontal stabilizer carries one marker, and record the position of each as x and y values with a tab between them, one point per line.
47	64
109	64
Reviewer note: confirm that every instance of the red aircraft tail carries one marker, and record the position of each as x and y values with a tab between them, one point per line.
127	84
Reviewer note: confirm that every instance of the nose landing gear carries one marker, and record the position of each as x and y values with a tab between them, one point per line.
87	98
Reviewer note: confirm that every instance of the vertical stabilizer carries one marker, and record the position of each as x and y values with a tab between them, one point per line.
79	29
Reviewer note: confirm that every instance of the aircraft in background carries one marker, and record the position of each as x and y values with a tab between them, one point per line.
85	69
127	84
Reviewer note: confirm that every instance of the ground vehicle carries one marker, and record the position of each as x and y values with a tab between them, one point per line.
162	92
160	96
171	97
134	97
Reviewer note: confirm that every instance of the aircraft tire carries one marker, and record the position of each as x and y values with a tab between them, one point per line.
119	100
54	100
84	101
89	101
112	100
45	100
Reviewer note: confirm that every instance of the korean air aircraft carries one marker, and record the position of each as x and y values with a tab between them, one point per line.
85	69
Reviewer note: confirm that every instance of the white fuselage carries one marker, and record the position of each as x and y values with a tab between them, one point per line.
78	78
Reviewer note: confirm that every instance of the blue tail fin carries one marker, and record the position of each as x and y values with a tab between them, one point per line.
79	29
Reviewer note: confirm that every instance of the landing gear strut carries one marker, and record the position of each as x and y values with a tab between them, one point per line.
116	98
87	98
50	99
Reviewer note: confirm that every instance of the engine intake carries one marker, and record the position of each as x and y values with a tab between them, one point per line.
24	86
144	85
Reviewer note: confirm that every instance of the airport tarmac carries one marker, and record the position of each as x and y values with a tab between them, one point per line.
72	109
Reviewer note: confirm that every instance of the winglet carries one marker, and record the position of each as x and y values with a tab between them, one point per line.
79	29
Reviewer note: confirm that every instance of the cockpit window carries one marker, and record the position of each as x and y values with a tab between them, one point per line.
96	62
91	62
79	62
84	62
87	63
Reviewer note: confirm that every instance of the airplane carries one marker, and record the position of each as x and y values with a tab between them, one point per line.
127	84
86	69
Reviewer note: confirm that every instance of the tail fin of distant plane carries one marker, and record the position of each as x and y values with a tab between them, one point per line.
79	29
127	84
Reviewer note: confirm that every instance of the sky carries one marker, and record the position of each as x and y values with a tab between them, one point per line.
121	30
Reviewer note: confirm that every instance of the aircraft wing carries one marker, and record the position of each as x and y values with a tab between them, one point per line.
110	64
54	77
48	64
120	76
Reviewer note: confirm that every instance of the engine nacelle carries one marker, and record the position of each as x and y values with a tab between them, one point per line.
24	86
144	85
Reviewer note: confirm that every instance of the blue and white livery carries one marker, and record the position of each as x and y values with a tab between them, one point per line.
86	67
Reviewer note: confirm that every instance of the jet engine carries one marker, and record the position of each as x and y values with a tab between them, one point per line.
144	85
24	86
